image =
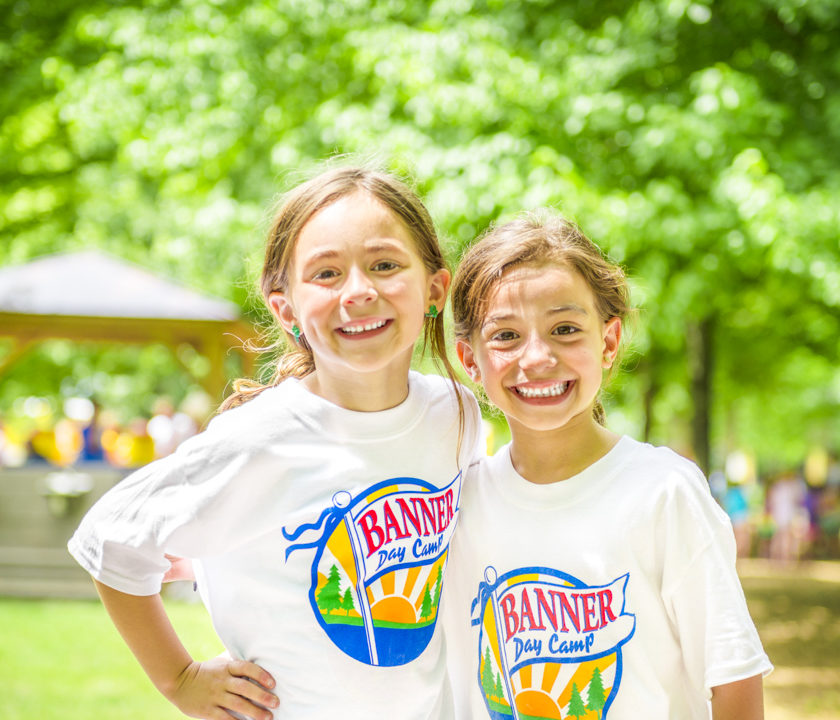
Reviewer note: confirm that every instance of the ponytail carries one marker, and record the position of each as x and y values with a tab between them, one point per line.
297	362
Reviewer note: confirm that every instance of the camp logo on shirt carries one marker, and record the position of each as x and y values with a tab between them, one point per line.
550	645
378	567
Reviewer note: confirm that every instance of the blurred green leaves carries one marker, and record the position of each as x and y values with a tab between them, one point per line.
697	142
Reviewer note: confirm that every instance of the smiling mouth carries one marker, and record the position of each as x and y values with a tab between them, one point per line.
545	391
367	327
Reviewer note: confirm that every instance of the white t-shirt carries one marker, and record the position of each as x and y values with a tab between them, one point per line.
319	537
612	591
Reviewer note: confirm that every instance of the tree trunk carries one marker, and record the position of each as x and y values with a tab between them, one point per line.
699	343
649	372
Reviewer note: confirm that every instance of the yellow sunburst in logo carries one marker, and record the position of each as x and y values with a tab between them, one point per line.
543	690
377	573
408	596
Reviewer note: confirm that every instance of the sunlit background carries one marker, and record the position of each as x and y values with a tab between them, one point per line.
697	142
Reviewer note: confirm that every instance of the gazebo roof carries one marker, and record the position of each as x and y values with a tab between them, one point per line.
93	284
92	297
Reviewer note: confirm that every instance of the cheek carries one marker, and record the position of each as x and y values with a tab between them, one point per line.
493	363
585	359
411	291
314	303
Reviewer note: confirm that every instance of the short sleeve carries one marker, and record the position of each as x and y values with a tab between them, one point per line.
181	504
702	591
474	440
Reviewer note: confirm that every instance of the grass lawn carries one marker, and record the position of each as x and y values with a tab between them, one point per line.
63	660
797	612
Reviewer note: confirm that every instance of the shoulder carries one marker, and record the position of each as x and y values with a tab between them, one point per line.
677	489
252	424
436	386
491	474
440	393
664	467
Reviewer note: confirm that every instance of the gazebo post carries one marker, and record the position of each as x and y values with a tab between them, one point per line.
214	382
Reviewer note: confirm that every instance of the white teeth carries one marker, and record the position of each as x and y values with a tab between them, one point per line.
548	391
363	328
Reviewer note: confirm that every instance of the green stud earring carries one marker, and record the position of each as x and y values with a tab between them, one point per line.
296	333
432	312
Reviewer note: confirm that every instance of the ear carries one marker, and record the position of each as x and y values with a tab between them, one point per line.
282	309
467	358
612	340
438	287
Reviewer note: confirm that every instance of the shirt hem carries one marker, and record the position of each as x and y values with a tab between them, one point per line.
761	667
115	582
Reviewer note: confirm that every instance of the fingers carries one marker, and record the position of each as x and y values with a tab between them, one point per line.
248	691
217	688
251	671
250	685
245	708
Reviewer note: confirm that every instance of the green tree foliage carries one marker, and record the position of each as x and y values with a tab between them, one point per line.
488	684
696	141
329	598
595	695
438	586
347	603
576	707
426	607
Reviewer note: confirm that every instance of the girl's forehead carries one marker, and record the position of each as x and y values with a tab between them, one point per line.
356	208
555	284
353	221
525	278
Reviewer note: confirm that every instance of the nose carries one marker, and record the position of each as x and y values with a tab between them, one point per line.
536	354
357	288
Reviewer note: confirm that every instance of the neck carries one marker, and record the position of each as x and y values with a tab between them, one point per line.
549	456
360	391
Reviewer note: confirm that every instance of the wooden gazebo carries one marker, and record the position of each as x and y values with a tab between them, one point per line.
90	296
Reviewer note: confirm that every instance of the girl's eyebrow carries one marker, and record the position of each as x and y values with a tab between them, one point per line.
320	255
372	248
571	307
502	319
384	246
496	319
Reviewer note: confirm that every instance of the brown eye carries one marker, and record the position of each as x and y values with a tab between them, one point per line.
385	266
504	336
325	275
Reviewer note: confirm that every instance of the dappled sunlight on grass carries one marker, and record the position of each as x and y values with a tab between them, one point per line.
797	613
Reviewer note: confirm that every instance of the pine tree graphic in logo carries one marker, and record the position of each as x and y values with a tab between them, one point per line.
576	706
378	568
596	697
550	645
329	599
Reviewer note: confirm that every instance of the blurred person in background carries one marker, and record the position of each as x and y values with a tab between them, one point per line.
134	446
92	450
786	505
168	427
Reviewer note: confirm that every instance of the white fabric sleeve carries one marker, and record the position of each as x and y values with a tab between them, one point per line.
475	445
181	504
702	592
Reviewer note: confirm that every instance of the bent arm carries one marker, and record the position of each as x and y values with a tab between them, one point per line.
144	625
206	690
740	700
